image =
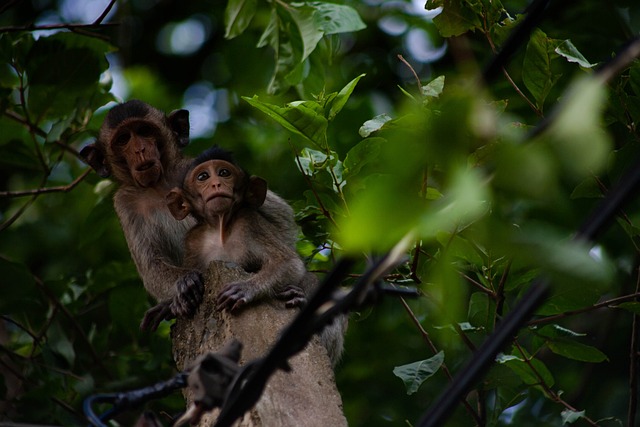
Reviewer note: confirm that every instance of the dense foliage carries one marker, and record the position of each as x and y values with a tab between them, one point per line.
373	120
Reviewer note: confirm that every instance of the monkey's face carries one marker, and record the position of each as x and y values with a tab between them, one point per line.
217	184
135	147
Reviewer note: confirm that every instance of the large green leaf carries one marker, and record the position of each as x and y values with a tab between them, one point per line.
536	72
337	102
569	417
335	18
303	15
576	351
62	68
238	16
568	50
414	374
577	135
302	118
531	371
456	17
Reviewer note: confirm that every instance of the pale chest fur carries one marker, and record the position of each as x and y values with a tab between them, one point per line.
235	246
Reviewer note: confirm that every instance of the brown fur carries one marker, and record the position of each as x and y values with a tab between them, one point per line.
155	238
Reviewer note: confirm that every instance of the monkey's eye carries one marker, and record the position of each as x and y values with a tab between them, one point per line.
203	176
224	173
122	139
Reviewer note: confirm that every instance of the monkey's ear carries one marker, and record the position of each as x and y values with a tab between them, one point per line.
256	192
179	123
177	204
93	156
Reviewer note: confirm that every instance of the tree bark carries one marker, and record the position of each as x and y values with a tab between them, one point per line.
306	396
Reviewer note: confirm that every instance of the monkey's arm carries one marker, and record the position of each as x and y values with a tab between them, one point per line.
280	270
155	242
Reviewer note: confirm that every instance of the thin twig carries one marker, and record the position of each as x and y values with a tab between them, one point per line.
19	326
511	81
434	349
608	303
17	215
405	62
71	27
478	285
38	191
97	359
104	13
18	118
552	394
500	291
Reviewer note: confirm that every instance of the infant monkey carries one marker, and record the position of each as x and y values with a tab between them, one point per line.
224	200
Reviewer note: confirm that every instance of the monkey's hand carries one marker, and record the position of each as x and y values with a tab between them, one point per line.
189	294
155	315
293	296
236	295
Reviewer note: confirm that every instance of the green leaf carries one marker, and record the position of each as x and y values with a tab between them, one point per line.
314	160
343	96
569	417
577	135
576	351
536	69
567	50
414	374
633	307
434	88
557	331
302	118
482	310
456	17
64	64
60	343
238	16
531	372
303	15
374	125
336	18
577	275
269	36
364	152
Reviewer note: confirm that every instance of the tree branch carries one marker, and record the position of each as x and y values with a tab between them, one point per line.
607	303
38	191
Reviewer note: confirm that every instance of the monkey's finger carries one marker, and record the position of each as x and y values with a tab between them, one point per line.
290	293
154	316
239	304
295	302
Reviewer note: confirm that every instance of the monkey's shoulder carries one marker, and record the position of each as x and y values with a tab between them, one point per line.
142	202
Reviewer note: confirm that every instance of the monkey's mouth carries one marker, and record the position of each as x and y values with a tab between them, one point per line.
145	166
218	196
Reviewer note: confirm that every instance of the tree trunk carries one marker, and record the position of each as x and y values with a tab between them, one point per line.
306	396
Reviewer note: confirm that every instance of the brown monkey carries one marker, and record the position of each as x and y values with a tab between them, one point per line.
139	146
231	226
225	202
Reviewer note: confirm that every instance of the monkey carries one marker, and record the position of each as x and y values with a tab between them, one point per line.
140	148
225	201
